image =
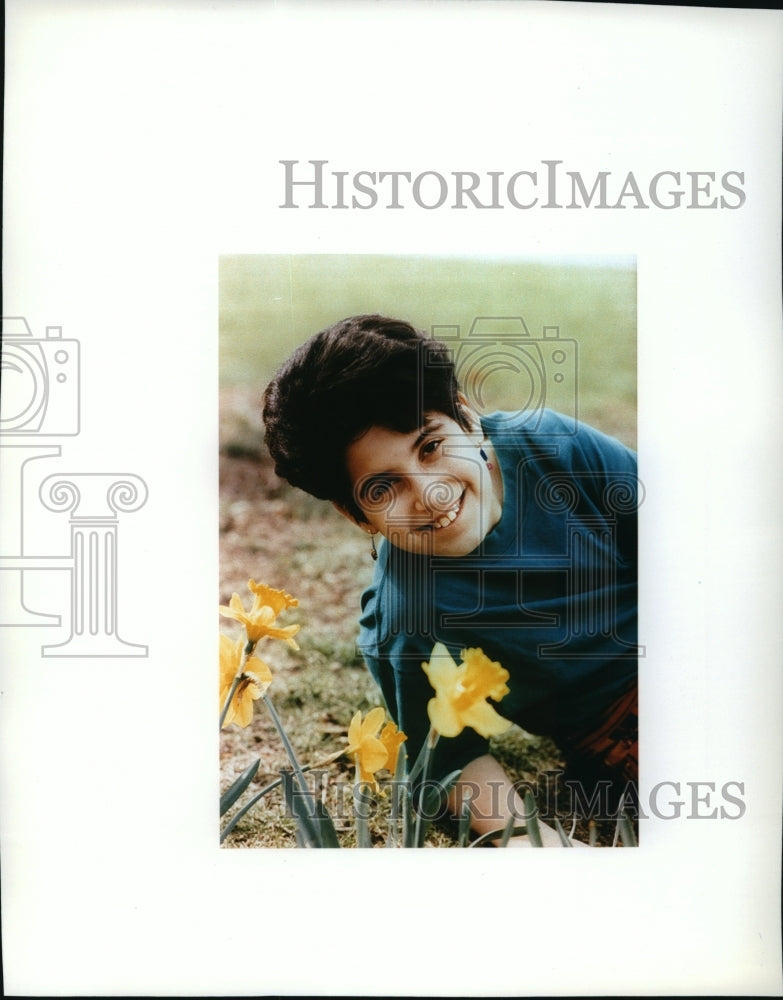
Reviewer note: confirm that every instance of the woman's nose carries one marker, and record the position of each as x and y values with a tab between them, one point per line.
433	495
418	498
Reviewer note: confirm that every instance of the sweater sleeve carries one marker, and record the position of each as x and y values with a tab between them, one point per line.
617	486
605	478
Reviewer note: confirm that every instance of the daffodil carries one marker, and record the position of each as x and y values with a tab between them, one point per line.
365	746
259	621
461	692
392	739
255	679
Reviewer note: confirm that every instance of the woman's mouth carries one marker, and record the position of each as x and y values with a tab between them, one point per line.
448	517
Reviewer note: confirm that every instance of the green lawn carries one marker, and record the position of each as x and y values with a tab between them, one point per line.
270	304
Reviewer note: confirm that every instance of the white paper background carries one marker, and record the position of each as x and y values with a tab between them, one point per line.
142	141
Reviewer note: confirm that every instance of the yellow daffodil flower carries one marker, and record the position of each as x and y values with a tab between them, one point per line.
392	739
365	746
461	692
256	678
259	621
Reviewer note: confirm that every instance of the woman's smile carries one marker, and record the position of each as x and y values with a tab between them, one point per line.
446	519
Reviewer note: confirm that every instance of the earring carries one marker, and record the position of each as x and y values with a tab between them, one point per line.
373	550
486	459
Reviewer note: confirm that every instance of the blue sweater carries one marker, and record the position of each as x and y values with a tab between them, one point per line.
550	593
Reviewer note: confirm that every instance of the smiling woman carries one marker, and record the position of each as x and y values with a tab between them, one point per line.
512	532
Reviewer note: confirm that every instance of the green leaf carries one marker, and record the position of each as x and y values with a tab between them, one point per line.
450	780
517	831
531	816
401	764
408	817
326	828
626	831
307	831
313	822
229	797
248	806
423	757
431	801
563	835
507	830
463	835
362	799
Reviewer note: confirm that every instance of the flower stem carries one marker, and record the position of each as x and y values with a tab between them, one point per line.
231	692
432	739
360	802
297	767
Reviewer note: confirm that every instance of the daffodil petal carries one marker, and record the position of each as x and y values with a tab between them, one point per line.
368	777
260	673
482	717
441	668
230	656
236	604
392	739
373	755
241	709
373	721
354	732
444	717
286	633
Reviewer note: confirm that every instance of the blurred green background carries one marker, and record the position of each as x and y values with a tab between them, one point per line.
271	303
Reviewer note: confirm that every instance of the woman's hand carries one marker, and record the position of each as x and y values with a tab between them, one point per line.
493	799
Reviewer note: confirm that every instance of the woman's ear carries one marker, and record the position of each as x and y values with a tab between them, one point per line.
470	414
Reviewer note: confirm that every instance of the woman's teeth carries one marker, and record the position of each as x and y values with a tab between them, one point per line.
448	517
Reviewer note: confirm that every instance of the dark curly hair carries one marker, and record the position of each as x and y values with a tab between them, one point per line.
362	372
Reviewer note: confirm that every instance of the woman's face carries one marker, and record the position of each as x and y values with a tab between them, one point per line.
427	491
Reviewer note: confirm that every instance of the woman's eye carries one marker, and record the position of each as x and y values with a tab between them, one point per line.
377	492
430	447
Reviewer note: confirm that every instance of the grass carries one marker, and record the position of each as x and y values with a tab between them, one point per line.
270	304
